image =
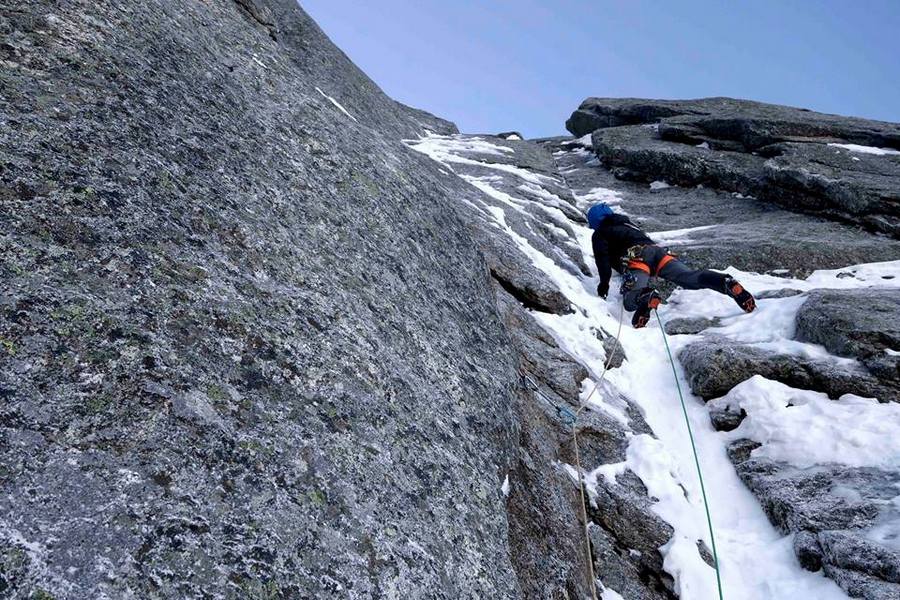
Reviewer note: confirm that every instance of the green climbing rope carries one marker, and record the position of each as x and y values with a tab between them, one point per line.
687	422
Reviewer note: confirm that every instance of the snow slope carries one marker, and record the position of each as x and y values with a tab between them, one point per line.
757	562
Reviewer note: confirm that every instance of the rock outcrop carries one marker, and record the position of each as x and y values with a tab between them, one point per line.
746	124
715	366
729	230
836	513
860	324
840	167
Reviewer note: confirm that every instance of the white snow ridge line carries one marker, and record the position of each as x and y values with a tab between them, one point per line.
337	104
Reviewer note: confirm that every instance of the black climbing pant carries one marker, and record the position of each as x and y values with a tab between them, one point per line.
672	270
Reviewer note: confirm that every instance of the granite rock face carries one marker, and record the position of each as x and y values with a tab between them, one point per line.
246	327
839	516
715	366
861	324
243	328
796	158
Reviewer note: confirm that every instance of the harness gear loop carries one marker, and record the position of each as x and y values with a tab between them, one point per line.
635	252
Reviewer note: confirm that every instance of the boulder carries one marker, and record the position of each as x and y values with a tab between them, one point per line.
714	366
862	324
835	512
725	417
748	123
688	326
805	161
626	536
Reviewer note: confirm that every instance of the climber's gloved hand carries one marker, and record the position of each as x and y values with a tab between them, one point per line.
603	289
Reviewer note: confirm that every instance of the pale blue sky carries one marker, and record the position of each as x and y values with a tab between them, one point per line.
498	65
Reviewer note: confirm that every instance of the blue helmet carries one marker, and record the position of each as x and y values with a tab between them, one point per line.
597	213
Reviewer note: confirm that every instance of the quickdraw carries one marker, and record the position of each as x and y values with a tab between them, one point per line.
564	413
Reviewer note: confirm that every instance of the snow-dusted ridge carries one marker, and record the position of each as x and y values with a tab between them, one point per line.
757	562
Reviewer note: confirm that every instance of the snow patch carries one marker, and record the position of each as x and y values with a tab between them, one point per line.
867	149
880	274
336	103
447	149
610	594
586	140
598	194
659	185
806	428
672	235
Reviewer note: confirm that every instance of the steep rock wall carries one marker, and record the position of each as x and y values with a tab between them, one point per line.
248	347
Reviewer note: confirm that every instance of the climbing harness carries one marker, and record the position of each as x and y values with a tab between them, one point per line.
666	259
687	421
634	260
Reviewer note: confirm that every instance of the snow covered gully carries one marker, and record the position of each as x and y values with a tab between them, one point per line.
799	427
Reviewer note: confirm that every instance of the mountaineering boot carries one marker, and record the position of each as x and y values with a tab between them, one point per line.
648	301
743	298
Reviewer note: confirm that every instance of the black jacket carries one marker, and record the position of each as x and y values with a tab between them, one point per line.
611	241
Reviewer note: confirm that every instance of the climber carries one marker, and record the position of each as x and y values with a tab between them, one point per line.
619	244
